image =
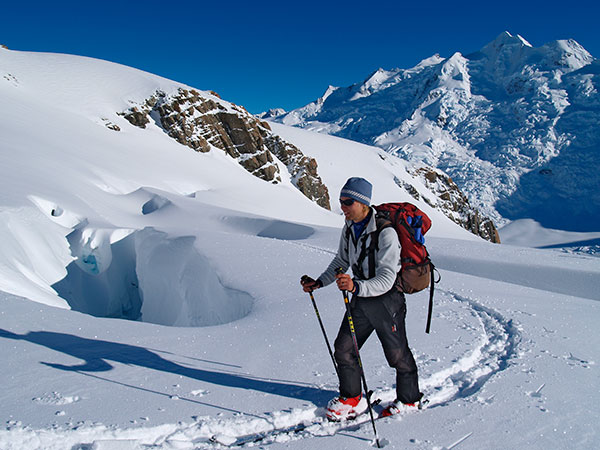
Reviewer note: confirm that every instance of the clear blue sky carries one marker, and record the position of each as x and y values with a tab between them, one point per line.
266	54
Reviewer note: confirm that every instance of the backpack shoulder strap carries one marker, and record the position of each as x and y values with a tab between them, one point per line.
381	223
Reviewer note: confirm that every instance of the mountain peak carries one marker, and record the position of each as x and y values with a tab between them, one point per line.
568	53
505	41
506	38
373	82
431	61
508	54
330	90
271	113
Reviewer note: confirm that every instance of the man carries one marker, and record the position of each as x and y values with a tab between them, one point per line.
377	304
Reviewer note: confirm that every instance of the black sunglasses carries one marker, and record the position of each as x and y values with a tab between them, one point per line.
347	202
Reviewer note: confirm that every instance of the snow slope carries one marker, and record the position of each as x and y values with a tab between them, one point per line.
101	226
54	114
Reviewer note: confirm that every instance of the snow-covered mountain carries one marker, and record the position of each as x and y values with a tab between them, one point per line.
107	213
516	127
70	128
204	122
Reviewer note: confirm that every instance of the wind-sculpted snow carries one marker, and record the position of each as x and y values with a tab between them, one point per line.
179	287
276	229
145	274
156	203
29	258
153	278
102	281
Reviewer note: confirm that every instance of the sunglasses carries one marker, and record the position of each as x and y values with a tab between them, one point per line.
347	202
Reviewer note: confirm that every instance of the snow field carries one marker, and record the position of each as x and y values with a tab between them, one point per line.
479	344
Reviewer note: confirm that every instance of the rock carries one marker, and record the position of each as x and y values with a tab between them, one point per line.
454	204
302	169
202	123
112	126
136	117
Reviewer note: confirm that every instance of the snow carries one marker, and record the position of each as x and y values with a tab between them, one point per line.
98	227
529	233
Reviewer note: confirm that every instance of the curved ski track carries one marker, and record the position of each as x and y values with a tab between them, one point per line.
491	354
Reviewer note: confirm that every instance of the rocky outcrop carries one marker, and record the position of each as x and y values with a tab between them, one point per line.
452	202
302	169
203	123
137	117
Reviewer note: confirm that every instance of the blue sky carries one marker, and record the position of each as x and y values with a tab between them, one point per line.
284	54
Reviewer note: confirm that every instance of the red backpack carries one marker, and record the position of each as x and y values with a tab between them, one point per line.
417	270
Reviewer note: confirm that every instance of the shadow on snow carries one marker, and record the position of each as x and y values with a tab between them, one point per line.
97	353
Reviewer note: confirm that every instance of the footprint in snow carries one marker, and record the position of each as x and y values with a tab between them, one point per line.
55	398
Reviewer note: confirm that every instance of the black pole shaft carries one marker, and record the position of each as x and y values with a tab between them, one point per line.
362	372
312	298
430	310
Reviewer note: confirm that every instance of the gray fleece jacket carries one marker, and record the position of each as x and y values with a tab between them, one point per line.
387	259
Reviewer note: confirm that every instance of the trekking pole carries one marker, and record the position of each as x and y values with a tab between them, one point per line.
362	372
312	298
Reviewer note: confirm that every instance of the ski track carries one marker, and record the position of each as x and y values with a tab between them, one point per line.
497	346
492	352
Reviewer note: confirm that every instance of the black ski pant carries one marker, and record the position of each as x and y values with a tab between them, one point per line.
386	315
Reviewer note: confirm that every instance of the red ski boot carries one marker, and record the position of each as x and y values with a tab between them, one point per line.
398	407
342	408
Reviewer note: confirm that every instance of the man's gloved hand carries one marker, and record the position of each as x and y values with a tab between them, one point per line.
309	285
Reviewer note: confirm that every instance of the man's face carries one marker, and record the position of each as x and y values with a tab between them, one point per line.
354	212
